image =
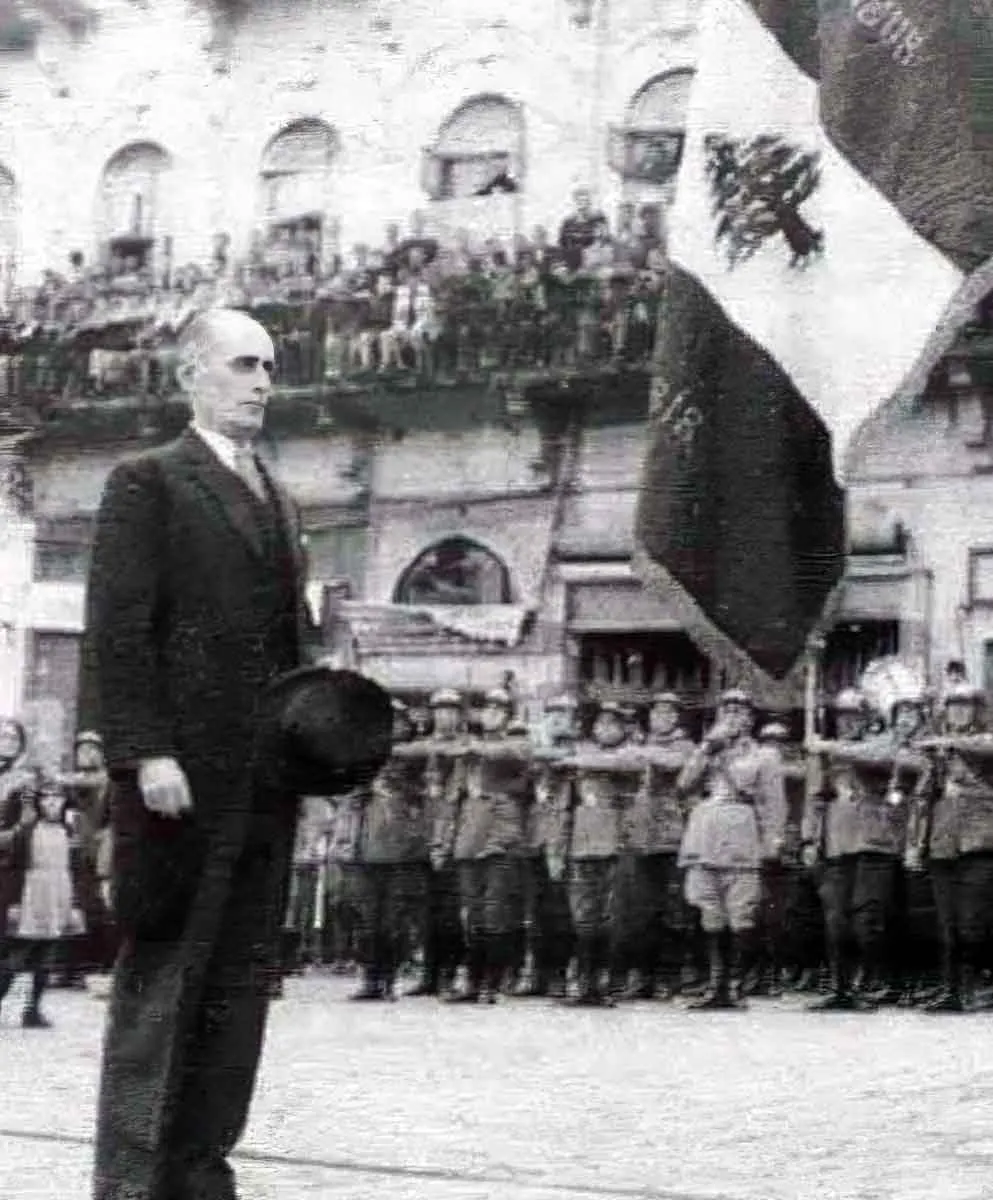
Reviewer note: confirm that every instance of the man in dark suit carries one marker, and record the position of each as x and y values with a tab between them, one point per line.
195	603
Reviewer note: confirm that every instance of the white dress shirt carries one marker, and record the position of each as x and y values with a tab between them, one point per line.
222	446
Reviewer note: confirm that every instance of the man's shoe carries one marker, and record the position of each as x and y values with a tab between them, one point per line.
841	1002
947	1001
35	1019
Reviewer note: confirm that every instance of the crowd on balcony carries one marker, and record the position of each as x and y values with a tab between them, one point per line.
418	304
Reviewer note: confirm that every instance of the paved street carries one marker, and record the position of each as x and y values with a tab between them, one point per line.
529	1101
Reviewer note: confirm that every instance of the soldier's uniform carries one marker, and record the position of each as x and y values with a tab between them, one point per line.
341	887
442	927
589	839
778	877
545	893
951	830
655	919
301	924
391	857
732	830
856	827
483	832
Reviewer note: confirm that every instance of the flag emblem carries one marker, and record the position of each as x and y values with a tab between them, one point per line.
759	188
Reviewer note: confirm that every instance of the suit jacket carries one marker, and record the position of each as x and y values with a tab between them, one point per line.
195	601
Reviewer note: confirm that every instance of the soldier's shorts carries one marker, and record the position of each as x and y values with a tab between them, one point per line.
727	898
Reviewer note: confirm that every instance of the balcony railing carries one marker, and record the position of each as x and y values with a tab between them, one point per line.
76	344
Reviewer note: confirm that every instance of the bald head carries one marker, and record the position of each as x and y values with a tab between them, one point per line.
226	362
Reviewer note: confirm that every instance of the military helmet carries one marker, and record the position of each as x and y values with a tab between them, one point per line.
612	708
445	698
735	696
88	737
964	693
850	700
400	708
498	697
517	728
563	703
669	698
775	731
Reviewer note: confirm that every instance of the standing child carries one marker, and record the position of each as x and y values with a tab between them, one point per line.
38	890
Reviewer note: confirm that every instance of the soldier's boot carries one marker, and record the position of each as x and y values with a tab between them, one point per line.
289	944
536	983
717	992
841	996
33	1017
429	982
446	981
371	987
949	997
587	974
558	983
476	967
743	955
807	980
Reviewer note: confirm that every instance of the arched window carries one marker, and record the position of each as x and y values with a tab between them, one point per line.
649	146
296	172
479	151
135	217
455	571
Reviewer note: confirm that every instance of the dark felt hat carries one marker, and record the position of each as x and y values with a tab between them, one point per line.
323	732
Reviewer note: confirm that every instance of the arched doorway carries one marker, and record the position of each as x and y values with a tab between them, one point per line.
135	218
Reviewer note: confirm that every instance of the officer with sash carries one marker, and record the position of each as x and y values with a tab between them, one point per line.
737	824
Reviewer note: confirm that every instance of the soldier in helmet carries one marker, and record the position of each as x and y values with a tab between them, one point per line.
391	879
736	827
951	831
442	930
589	838
546	897
656	920
483	831
854	832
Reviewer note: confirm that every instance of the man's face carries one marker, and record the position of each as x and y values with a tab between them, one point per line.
850	726
51	804
736	718
960	715
907	719
560	724
446	721
608	729
231	380
494	718
581	199
89	757
663	719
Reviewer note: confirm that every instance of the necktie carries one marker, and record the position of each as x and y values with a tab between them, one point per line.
247	467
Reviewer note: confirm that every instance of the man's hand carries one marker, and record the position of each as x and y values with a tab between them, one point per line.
164	787
811	856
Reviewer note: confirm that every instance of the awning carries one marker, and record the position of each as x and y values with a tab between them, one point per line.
618	607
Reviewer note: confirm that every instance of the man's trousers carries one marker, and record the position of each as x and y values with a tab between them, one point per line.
963	897
858	893
389	901
651	915
490	900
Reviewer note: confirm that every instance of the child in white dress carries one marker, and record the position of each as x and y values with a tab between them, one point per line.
38	885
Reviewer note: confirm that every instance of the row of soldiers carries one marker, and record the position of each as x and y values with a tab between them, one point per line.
636	859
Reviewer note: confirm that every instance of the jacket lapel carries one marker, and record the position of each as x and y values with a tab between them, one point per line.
223	491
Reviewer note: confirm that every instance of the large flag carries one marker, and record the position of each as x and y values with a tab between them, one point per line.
831	233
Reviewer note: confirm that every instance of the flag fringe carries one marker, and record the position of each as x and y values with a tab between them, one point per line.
724	654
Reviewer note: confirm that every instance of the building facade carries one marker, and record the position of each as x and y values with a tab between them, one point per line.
468	520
